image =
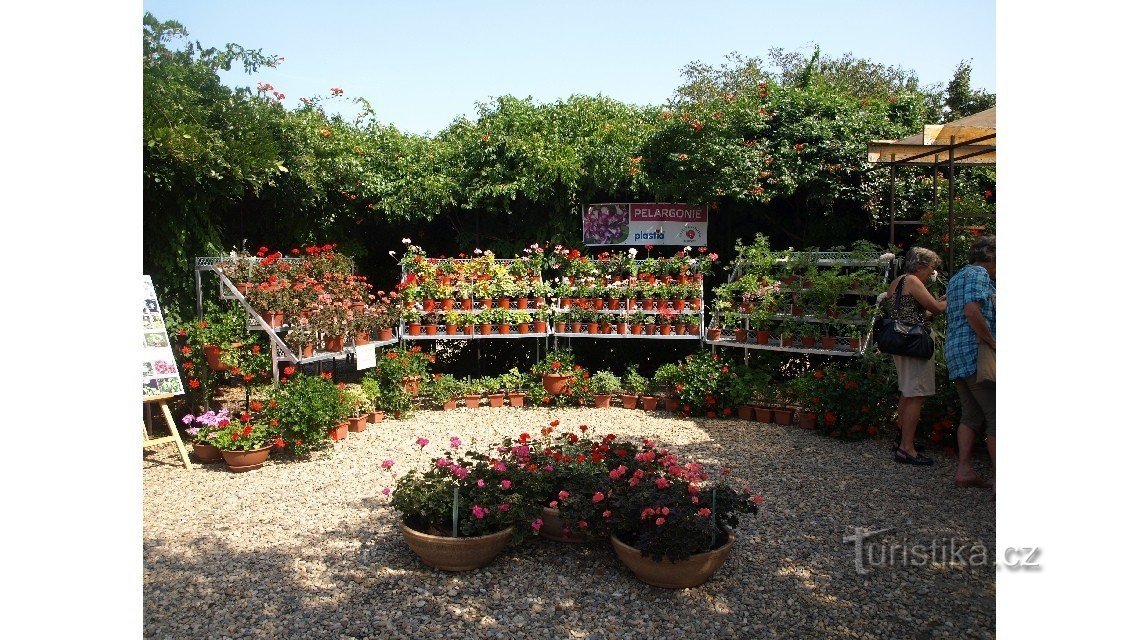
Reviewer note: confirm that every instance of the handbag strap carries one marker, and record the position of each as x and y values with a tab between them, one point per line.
898	294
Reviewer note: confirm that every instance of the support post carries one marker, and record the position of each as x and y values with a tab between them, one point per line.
893	181
952	230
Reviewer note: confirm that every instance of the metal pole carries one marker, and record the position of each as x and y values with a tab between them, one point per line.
198	290
952	140
893	181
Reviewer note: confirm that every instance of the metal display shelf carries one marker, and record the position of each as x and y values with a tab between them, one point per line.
792	349
654	311
277	347
625	335
476	336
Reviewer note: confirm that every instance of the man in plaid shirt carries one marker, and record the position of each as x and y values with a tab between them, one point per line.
971	317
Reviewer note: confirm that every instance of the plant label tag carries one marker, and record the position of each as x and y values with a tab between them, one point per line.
365	357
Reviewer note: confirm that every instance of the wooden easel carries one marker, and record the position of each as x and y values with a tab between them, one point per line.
147	441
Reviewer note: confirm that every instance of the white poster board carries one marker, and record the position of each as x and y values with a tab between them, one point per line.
365	356
159	369
641	223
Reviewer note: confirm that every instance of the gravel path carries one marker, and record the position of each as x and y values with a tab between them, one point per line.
310	550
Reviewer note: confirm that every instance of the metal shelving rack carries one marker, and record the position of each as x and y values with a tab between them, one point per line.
630	336
280	350
836	259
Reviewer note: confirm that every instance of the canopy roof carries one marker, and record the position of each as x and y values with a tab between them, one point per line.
972	139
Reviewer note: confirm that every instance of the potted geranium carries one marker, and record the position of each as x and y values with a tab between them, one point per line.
305	408
445	390
460	513
211	423
672	526
555	370
513	381
635	385
244	443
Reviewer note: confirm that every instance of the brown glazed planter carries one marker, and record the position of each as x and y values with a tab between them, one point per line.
692	572
472	401
207	453
495	399
629	400
649	402
516	399
601	401
455	554
240	461
554	529
358	424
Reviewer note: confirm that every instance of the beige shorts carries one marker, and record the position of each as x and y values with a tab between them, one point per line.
978	405
915	376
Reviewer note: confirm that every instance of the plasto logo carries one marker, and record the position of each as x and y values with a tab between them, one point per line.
649	235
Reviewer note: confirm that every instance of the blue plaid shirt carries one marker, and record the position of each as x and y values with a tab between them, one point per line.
970	284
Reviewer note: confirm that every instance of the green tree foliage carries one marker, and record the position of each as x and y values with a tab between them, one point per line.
776	146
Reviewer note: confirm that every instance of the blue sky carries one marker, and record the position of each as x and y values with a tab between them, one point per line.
422	64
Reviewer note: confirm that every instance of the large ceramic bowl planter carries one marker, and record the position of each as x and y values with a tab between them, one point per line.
207	453
239	461
455	554
692	572
555	384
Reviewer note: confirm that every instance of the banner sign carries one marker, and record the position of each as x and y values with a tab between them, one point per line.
159	369
644	223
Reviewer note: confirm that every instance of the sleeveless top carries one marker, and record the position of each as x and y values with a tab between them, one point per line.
910	310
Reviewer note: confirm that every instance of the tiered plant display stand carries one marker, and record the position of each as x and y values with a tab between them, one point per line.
618	309
281	351
478	305
796	309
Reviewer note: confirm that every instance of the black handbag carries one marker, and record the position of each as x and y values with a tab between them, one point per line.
899	338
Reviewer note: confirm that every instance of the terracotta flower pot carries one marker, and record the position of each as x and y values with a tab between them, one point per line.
554	529
431	329
376	417
855	344
504	328
386	334
678	304
451	329
414	329
504	303
559	327
495	399
622	328
763	414
671	404
453	403
358	424
714	334
783	416
455	554
592	327
447	304
363	337
240	461
828	342
808	342
762	337
665	329
484	329
524	303
334	343
741	335
539	326
516	399
555	384
575	327
207	453
807	419
649	402
339	432
614	303
213	357
693	572
410	384
746	412
601	401
428	305
466	304
472	400
629	400
308	350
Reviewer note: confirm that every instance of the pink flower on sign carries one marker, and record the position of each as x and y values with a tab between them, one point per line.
537	524
456	442
506	484
387	464
422	442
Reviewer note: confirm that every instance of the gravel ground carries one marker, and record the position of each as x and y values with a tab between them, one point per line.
310	550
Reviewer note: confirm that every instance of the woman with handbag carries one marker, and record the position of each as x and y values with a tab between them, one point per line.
970	348
911	306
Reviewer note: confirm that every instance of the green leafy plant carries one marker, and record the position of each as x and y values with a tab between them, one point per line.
305	408
634	382
605	383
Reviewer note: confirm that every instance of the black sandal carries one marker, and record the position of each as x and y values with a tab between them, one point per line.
905	458
917	447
